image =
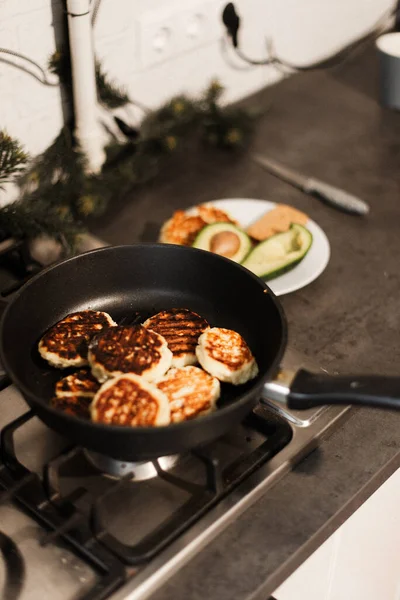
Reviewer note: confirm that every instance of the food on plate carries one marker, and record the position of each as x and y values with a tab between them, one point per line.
191	392
277	220
182	228
225	355
207	227
224	239
211	214
136	349
181	329
81	383
130	400
279	253
78	405
66	343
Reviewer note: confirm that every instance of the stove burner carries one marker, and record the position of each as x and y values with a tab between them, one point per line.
140	470
15	568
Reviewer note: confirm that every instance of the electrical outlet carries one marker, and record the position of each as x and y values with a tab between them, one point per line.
159	37
164	35
200	25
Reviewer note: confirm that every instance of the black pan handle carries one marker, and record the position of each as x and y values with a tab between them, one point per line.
303	390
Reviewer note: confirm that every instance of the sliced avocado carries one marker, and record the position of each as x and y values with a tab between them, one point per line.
224	239
279	253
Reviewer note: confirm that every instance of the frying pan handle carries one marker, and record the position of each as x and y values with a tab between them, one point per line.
303	390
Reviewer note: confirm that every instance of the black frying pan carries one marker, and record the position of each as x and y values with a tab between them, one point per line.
149	278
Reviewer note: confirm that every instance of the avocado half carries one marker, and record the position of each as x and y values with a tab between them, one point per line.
224	239
279	253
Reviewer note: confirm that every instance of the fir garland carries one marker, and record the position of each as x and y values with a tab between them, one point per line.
57	196
57	179
110	94
12	158
26	221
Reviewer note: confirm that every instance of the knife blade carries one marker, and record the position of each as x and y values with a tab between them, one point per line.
334	196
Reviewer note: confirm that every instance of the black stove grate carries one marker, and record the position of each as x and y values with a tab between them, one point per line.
62	517
15	568
28	491
219	482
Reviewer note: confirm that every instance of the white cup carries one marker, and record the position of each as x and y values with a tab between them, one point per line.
388	46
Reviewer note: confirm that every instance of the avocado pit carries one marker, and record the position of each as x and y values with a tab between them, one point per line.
225	243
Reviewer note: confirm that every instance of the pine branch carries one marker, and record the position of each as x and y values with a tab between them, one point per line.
110	94
12	158
25	220
58	194
59	64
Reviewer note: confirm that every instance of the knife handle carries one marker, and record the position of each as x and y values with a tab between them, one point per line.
337	197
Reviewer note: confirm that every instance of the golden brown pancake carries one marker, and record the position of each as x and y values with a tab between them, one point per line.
129	350
181	328
225	354
81	383
191	392
78	406
66	343
131	401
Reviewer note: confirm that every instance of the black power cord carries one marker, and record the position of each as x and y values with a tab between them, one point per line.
231	20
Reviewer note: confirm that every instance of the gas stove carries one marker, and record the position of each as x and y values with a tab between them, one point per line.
78	525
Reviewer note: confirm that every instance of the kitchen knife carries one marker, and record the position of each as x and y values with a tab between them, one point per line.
334	196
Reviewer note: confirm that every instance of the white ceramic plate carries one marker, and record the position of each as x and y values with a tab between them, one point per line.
246	211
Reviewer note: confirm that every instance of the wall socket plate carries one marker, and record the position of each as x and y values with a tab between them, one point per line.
165	34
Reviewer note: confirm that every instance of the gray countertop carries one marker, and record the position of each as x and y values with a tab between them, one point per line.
329	125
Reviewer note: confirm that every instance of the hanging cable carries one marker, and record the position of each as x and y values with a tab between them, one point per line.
95	12
42	79
231	21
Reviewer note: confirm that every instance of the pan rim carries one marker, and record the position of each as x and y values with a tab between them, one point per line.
147	430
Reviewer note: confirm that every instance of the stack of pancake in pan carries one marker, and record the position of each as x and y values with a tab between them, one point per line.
164	371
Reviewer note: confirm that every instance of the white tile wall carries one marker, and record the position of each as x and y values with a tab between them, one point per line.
302	32
358	562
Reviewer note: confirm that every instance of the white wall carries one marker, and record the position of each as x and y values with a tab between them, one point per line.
302	32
